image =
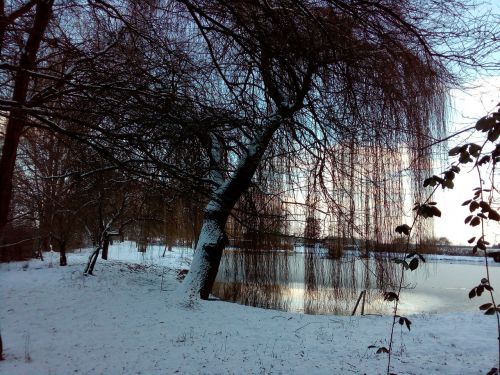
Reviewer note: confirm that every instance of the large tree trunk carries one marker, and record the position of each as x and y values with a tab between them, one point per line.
212	239
203	271
7	163
17	116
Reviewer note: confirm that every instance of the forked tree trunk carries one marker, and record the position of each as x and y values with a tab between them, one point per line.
91	263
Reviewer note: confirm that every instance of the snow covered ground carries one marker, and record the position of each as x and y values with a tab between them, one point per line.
125	320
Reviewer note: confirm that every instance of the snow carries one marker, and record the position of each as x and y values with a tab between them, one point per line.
122	321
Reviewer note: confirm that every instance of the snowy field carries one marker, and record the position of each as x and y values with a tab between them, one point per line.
125	320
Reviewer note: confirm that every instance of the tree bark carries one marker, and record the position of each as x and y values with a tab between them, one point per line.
105	247
62	254
212	253
203	271
17	117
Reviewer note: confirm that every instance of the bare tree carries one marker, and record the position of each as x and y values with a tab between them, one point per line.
207	93
303	75
324	87
49	194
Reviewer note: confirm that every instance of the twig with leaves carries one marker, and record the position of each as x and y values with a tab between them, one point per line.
410	261
483	156
480	207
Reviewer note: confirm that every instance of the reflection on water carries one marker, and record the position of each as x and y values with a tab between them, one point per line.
314	284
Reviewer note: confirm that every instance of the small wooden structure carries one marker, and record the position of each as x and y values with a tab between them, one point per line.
361	295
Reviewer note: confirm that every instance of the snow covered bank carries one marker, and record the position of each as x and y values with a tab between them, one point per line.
121	321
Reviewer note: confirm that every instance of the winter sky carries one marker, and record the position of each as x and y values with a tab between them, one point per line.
467	106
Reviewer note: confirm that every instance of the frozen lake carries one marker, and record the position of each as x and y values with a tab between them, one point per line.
314	284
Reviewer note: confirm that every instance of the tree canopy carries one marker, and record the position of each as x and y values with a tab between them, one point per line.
320	104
